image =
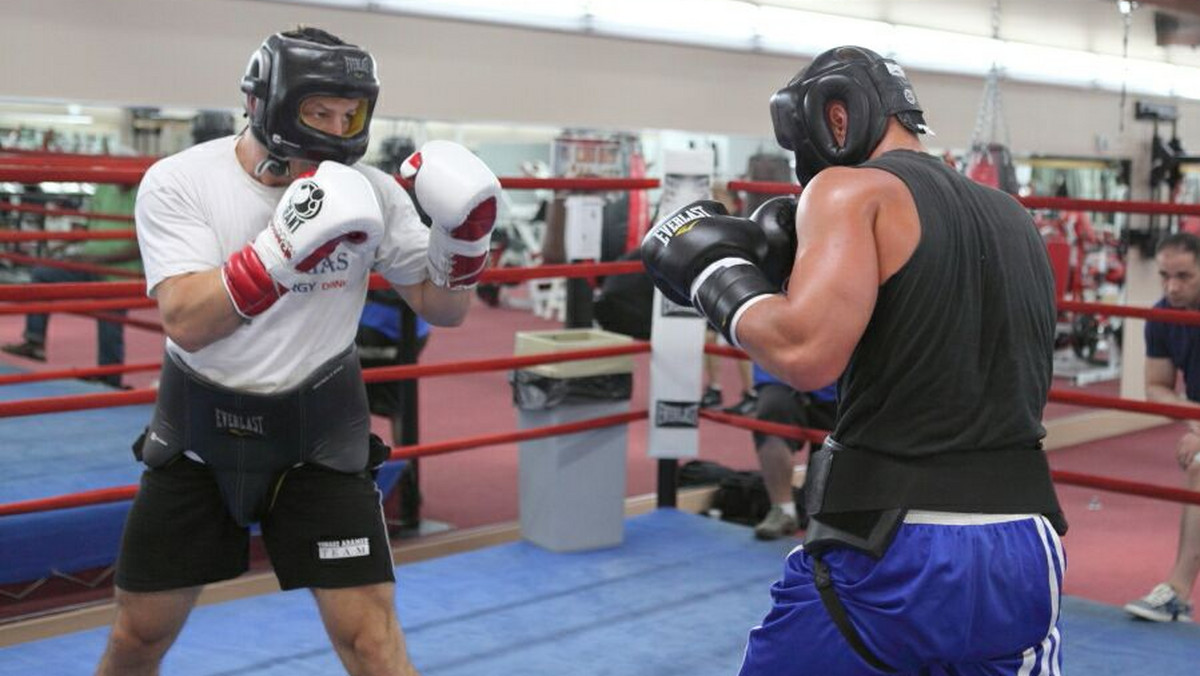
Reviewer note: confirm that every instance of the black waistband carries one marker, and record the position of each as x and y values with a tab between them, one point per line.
842	479
248	439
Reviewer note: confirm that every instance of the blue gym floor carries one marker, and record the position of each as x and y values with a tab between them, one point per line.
677	598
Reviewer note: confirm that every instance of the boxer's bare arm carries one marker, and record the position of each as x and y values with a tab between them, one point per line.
843	257
196	310
437	305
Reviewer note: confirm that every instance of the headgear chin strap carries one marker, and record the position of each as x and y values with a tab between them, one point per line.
285	71
872	88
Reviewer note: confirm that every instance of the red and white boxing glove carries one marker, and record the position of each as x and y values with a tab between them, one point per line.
459	193
317	212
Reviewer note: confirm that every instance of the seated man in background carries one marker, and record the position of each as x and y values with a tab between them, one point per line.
1172	349
779	403
116	253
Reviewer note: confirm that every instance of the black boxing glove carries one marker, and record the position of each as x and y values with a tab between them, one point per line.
777	219
700	255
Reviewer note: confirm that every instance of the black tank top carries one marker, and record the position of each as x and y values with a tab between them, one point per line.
959	350
940	406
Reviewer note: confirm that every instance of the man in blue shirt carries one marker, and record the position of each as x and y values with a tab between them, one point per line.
1172	348
779	403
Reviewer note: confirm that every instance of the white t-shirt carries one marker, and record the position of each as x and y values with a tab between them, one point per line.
199	206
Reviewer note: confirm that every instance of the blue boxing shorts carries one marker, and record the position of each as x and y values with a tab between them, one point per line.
954	594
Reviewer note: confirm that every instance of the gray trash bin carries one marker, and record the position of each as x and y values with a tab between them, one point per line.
572	487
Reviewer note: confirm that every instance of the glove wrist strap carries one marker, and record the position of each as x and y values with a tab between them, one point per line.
723	291
251	288
737	317
454	263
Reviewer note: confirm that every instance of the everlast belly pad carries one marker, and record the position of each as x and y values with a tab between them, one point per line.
248	440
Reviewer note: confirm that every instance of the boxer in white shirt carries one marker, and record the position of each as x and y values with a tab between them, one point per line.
258	248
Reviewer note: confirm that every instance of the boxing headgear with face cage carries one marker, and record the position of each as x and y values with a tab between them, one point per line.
287	70
872	88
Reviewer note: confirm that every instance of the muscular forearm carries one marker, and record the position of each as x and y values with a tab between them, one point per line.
760	340
435	304
1162	394
196	309
1166	395
789	345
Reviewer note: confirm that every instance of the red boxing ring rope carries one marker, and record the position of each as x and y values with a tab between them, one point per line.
93	215
13	173
12	236
99	496
1110	206
77	402
12	157
22	259
119	493
1056	203
72	291
84	290
1057	395
127	321
774	429
1186	317
386	373
1167	493
78	306
581	184
84	372
440	447
764	187
37	169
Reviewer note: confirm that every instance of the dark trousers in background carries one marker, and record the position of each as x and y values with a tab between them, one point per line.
110	336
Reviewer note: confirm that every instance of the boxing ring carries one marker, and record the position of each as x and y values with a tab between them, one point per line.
677	596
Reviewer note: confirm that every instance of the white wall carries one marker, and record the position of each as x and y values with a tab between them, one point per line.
192	53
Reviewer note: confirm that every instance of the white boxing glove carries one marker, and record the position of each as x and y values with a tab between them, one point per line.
317	212
459	193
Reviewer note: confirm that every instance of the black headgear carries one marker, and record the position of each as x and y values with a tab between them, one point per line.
285	71
873	89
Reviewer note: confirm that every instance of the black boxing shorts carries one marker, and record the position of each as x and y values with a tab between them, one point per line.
322	530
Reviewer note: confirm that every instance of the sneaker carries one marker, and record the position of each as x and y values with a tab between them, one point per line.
776	525
27	349
744	407
711	397
1162	604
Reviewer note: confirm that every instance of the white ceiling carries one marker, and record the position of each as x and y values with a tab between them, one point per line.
1088	25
